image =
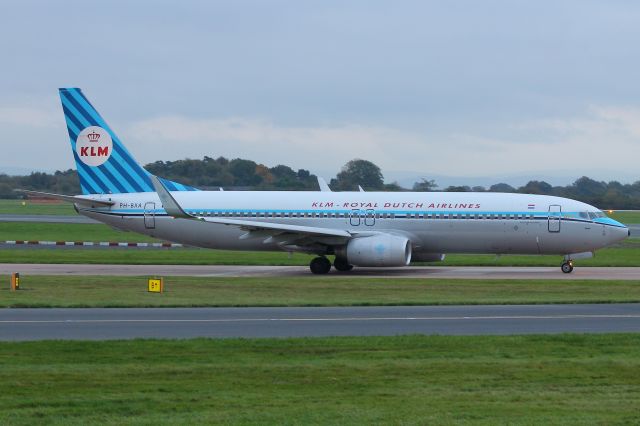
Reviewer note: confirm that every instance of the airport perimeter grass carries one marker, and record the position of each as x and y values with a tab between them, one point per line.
626	217
435	380
36	231
36	207
104	291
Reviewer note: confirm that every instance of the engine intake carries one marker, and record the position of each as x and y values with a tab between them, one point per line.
378	250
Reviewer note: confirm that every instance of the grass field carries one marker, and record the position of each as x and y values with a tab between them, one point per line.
626	217
104	291
11	231
435	380
36	207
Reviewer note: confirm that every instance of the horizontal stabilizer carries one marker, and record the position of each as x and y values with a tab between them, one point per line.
88	202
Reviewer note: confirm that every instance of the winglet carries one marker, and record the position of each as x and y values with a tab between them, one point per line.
323	185
169	203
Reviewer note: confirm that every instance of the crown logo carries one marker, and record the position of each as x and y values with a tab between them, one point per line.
93	136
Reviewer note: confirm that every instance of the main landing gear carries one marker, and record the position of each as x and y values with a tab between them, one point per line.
342	265
322	265
567	266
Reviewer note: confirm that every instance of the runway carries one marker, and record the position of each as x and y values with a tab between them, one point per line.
440	272
178	323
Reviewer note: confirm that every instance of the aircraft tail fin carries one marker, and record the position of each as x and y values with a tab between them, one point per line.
104	164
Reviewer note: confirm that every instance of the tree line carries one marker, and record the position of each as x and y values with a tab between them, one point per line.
241	174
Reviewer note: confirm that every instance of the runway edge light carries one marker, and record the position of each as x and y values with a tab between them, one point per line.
155	285
15	281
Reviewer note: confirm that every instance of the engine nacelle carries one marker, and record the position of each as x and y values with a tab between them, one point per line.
427	257
378	250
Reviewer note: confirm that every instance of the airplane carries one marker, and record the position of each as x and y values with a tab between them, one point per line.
367	229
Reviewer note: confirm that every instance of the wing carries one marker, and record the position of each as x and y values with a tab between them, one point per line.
282	234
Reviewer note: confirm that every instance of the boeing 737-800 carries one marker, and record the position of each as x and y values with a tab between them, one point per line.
359	228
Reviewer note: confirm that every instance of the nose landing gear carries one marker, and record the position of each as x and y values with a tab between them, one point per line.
567	266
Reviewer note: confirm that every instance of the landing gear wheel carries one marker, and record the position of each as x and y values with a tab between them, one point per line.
342	265
320	265
567	267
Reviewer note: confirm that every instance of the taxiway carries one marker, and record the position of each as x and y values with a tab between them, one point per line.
179	323
460	272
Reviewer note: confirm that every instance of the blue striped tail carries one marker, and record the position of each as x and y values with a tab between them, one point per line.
103	163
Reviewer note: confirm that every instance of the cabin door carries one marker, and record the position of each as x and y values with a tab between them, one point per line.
555	217
150	215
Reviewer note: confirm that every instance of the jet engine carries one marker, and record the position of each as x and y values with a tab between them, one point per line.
377	250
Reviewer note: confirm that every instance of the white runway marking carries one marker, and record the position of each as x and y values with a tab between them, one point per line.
442	318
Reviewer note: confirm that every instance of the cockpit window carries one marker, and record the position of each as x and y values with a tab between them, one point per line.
592	215
584	215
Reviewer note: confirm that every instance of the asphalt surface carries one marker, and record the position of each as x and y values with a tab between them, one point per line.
461	272
105	324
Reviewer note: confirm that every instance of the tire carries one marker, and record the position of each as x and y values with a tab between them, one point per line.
566	267
341	264
320	265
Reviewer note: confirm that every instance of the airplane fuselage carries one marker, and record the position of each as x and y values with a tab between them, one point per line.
434	222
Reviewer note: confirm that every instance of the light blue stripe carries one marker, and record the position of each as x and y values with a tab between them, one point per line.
84	190
423	212
89	176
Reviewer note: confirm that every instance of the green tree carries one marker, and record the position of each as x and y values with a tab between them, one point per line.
358	172
425	185
536	187
501	187
459	188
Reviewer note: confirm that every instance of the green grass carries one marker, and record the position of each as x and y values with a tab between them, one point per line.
435	380
35	208
626	217
11	231
105	291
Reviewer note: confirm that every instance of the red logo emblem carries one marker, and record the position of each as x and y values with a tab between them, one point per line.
93	137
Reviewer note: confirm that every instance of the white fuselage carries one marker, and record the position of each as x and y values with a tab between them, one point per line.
434	222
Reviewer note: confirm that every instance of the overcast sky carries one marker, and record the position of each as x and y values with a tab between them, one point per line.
497	90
